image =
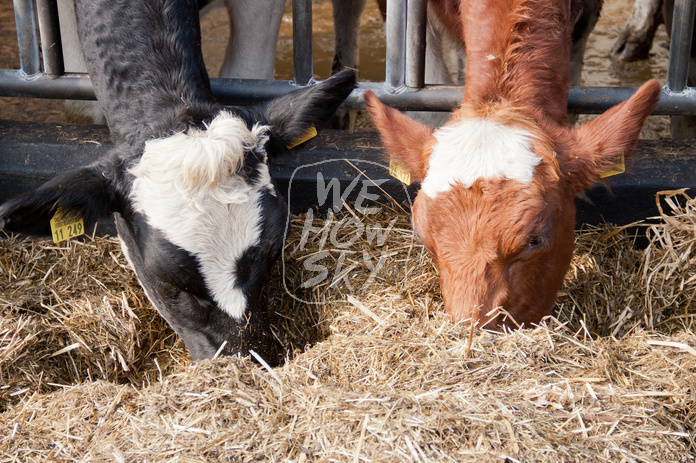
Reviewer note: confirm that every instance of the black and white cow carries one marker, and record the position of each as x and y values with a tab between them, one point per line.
187	182
250	52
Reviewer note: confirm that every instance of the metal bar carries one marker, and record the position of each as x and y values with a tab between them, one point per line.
27	37
680	44
49	29
396	45
596	100
303	66
15	83
416	20
583	100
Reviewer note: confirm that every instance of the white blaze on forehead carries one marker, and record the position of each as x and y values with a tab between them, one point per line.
478	149
186	186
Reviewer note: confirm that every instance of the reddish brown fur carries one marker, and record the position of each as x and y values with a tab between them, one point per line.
395	124
501	242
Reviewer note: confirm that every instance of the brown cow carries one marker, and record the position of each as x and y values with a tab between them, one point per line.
498	181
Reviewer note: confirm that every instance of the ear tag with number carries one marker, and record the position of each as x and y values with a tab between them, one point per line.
619	167
66	224
308	134
397	171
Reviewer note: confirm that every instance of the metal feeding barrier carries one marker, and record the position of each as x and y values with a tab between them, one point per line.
41	75
404	88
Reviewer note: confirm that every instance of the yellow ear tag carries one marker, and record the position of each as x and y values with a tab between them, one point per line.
66	225
397	171
308	134
619	168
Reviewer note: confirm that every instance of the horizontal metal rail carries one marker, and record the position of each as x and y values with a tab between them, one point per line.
583	100
402	88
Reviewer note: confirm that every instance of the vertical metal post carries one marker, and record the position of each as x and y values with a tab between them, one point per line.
416	20
396	44
27	37
303	65
680	44
49	28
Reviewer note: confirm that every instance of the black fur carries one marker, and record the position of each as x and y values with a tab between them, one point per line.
84	190
146	65
145	61
292	114
175	286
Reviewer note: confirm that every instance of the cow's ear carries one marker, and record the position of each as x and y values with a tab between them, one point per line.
405	140
85	192
297	112
600	142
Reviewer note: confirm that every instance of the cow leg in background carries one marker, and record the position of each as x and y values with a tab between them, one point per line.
76	111
585	24
436	51
682	127
346	15
251	49
637	36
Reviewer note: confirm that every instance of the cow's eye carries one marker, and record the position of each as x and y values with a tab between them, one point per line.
537	242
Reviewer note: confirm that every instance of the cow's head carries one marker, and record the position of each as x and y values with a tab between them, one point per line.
496	205
198	215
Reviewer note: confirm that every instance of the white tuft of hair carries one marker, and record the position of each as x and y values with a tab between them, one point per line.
202	163
479	149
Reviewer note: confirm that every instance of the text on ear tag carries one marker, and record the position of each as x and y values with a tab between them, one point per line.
308	134
619	167
66	224
397	171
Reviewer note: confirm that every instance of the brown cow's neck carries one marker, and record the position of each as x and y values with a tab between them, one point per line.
517	50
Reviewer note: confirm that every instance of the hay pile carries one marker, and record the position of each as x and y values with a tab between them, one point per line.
376	372
613	288
74	312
